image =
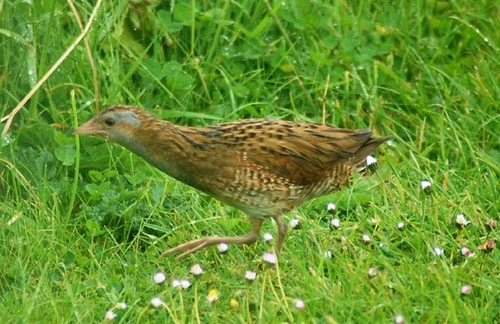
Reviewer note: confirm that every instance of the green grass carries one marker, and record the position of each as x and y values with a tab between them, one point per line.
83	221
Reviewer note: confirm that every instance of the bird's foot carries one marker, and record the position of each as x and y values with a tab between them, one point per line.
190	247
195	245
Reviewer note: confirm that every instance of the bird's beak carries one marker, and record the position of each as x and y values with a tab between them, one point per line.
89	128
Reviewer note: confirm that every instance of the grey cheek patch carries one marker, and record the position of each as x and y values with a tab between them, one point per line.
130	118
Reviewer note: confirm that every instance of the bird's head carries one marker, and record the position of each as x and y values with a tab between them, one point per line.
118	124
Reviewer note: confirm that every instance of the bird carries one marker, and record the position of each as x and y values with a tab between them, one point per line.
263	167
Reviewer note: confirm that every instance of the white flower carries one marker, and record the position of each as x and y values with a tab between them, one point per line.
370	161
372	272
401	225
366	239
299	304
331	207
399	319
328	254
461	221
270	258
196	270
335	223
222	247
267	236
156	302
250	275
185	284
425	184
295	223
110	315
466	252
159	277
121	305
466	289
213	296
438	251
176	283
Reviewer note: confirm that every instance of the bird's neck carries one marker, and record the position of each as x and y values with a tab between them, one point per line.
167	147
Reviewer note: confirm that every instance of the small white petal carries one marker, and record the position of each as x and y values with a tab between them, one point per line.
331	207
438	251
370	160
176	283
110	315
425	184
213	296
399	319
122	305
299	304
372	272
270	258
250	275
366	238
328	254
196	270
465	251
335	223
401	225
460	220
185	284
466	289
294	223
222	247
267	236
159	277
156	302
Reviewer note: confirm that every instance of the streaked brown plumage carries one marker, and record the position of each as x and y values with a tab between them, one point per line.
263	167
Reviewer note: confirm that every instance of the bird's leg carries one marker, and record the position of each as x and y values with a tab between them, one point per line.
282	229
195	245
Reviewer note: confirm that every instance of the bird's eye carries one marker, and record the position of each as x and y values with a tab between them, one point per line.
109	122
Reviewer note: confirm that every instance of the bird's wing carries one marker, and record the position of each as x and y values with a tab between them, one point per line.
301	153
305	159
